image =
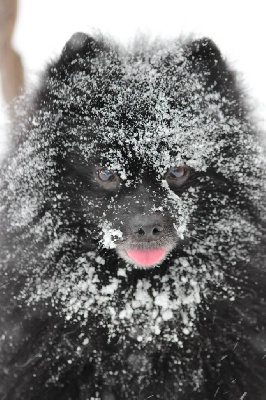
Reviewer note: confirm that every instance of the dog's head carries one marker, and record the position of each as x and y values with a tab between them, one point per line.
152	145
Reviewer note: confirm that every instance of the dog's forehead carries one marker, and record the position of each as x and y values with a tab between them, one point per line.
158	147
151	115
138	152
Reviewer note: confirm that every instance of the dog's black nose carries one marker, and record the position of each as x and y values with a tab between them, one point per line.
147	227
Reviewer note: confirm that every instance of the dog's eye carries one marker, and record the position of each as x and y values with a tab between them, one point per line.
176	172
177	176
107	179
106	175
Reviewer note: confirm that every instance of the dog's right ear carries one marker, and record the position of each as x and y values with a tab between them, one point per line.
78	51
80	45
77	57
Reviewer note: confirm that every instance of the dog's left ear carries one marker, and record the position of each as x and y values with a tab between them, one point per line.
207	59
205	51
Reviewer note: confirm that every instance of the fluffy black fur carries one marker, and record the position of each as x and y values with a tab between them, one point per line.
149	147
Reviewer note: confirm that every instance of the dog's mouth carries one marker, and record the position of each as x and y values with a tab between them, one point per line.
147	257
144	257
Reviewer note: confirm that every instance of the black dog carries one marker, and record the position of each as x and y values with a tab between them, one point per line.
132	246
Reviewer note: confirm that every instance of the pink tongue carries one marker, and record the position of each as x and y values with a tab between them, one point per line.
148	256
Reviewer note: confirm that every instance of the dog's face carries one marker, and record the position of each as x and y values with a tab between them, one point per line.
150	136
145	218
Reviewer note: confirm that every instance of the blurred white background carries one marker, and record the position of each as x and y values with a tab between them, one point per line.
237	27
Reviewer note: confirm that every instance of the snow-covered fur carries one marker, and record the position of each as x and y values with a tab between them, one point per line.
117	141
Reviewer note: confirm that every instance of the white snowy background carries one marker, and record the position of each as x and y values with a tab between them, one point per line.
238	28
